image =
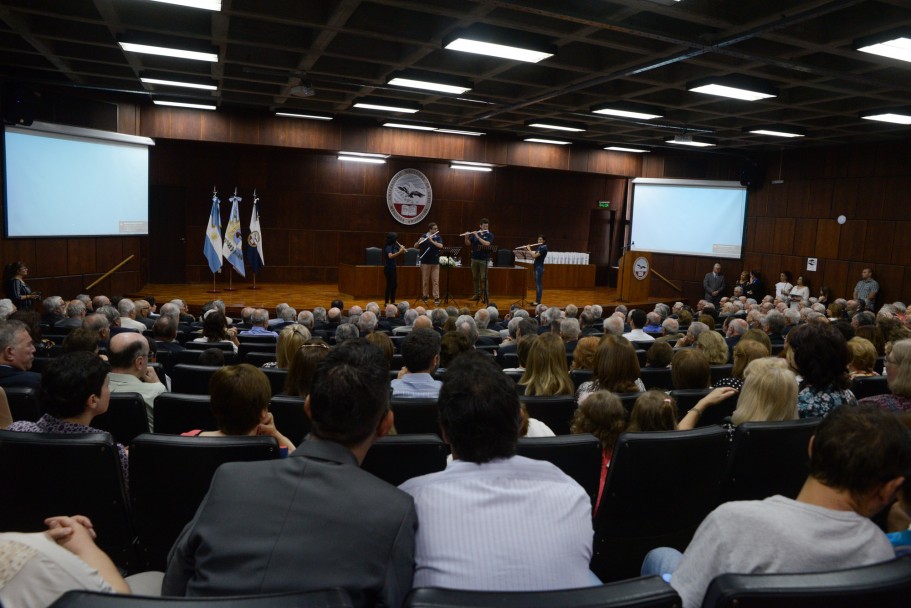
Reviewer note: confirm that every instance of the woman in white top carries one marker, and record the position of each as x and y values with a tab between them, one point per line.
800	294
783	287
215	330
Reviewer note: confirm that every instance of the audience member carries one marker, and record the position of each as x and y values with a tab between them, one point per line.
863	358
17	351
130	371
745	352
421	354
690	369
546	372
820	355
659	355
616	369
259	324
603	416
898	375
653	410
584	353
215	330
713	347
303	366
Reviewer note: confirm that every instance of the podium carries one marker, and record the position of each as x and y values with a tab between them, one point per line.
634	276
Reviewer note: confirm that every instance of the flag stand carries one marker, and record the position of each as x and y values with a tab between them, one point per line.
253	286
213	290
230	276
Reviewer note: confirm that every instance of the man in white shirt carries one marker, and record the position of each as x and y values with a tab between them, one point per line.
128	354
492	520
637	320
858	459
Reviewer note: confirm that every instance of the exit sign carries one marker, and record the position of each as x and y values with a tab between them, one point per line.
604	204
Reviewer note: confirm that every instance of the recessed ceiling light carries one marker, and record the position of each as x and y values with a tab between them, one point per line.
776	130
488	40
149	49
183	104
362	159
895	44
364	154
733	86
538	140
460	132
416	79
625	149
386	105
471	163
556	125
471	168
209	5
628	110
895	116
307	115
398	125
689	140
176	83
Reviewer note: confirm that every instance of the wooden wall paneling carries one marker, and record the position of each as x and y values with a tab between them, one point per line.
828	237
154	122
769	269
779	203
80	256
275	241
870	199
805	237
758	201
906	283
879	240
186	124
765	234
896	197
328	174
901	244
891	158
844	197
215	126
835	275
751	261
890	278
858	161
783	234
851	241
244	128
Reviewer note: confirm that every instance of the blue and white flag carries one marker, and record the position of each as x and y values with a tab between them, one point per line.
233	249
255	239
213	246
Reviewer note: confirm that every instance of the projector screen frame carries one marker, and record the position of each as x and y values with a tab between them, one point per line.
65	131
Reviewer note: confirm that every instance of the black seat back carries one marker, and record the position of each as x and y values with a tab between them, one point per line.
225	346
48	474
192	357
579	456
868	386
191	379
416	416
580	376
656	377
257	358
556	412
768	458
290	418
125	419
177	413
659	488
398	458
23	403
884	585
169	476
277	377
328	598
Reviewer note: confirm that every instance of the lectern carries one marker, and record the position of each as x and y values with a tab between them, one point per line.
634	276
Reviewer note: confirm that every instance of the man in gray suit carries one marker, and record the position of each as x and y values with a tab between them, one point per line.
315	519
713	284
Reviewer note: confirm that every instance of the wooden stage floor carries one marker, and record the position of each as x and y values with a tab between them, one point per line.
308	296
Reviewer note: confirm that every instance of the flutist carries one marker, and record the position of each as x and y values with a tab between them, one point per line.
538	254
391	250
430	244
480	241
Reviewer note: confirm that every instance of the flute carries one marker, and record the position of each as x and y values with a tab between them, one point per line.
425	237
529	245
479	232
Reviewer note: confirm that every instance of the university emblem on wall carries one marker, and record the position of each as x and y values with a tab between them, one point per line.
409	196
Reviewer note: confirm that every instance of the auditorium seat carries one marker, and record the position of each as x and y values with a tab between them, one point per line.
883	585
656	377
554	411
579	456
328	598
246	348
257	359
659	488
580	376
643	592
191	357
290	418
254	339
169	476
277	377
373	256
125	419
411	257
23	403
47	474
868	386
176	413
768	458
398	458
416	416
721	371
192	379
225	346
509	360
688	397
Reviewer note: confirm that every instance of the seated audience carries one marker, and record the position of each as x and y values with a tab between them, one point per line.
545	370
452	344
421	354
819	354
603	416
713	347
290	339
584	353
898	376
654	410
164	332
858	460
75	389
339	526
690	369
616	369
213	357
384	342
467	536
745	352
215	330
303	366
128	353
863	358
259	324
659	355
17	351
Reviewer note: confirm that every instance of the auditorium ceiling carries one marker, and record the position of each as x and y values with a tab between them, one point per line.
321	56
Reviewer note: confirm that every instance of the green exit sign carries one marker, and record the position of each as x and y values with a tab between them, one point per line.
604	204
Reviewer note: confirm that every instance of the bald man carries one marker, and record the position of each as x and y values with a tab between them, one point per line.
128	354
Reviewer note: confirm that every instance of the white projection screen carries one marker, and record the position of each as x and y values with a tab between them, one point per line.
688	217
68	181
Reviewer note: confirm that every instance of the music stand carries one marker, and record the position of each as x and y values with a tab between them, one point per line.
523	256
450	252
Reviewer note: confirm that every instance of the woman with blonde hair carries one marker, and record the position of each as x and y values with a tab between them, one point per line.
863	358
289	342
303	365
745	353
545	370
616	369
713	347
898	375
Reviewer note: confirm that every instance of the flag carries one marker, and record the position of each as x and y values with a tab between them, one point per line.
255	239
212	248
234	243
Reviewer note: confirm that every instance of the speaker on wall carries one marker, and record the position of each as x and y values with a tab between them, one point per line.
751	174
18	104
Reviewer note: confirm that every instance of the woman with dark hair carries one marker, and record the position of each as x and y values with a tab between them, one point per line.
783	287
825	295
800	294
391	250
754	288
616	369
690	369
303	365
538	256
215	329
604	416
14	284
744	281
74	389
32	321
819	354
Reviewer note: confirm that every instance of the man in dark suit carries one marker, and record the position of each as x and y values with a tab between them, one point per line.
713	285
313	520
17	351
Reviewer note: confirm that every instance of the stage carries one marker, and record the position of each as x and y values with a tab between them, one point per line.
308	296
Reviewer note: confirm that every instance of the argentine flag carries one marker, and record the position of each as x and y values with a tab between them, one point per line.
213	246
234	243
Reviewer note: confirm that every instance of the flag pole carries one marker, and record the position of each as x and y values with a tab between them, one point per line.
213	290
214	194
255	199
230	276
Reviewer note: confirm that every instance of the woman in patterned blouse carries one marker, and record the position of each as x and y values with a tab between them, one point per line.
819	354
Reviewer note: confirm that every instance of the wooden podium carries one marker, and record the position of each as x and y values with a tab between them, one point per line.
634	276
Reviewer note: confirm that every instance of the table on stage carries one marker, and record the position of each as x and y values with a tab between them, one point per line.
368	281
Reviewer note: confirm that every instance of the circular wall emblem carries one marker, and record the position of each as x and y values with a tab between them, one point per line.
640	268
409	196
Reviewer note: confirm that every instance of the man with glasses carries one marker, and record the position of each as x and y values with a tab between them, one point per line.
128	354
